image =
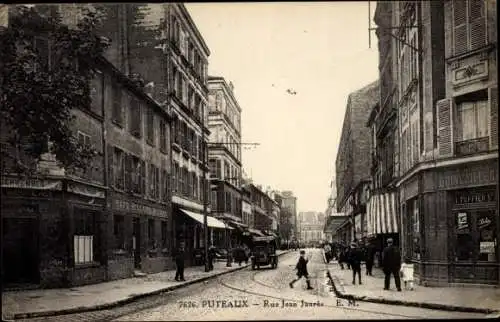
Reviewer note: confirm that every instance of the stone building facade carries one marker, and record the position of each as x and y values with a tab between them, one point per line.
446	92
352	166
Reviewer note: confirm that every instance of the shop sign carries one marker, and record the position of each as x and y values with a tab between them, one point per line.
487	247
468	176
462	221
85	190
483	222
473	197
11	182
134	207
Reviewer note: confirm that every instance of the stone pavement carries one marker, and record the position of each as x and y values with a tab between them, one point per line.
465	299
48	302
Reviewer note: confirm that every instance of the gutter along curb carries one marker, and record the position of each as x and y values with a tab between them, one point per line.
340	293
133	298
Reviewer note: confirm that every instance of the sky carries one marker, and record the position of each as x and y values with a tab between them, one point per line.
321	51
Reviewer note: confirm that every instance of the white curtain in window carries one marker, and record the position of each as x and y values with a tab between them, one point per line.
482	118
468	121
83	249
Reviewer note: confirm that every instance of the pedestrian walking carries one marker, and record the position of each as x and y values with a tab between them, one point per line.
369	258
211	257
328	253
347	256
301	268
391	264
355	258
342	258
179	263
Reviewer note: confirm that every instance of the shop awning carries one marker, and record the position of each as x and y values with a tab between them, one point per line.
211	221
256	232
382	215
237	224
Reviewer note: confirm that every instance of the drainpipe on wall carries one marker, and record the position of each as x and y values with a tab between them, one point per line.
106	211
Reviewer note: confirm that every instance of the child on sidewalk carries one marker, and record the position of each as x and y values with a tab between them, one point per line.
407	275
301	268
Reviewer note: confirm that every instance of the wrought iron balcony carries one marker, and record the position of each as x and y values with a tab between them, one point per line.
472	146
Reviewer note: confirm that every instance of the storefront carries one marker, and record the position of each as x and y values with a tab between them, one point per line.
455	208
53	233
382	221
189	226
141	237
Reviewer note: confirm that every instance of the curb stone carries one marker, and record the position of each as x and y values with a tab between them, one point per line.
434	306
130	299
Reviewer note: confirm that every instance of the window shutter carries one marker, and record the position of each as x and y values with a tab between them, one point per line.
445	133
493	100
477	20
459	27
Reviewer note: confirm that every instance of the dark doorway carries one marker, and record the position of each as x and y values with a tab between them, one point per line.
137	242
20	262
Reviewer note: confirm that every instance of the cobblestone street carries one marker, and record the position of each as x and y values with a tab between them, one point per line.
248	295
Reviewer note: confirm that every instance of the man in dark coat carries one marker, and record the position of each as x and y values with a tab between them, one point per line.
347	256
301	268
179	263
211	257
355	258
391	264
369	258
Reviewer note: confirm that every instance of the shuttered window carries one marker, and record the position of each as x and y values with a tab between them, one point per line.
444	117
469	25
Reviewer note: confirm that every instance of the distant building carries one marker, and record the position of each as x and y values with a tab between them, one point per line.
311	227
288	214
352	165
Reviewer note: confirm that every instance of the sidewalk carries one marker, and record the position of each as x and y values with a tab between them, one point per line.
464	299
49	302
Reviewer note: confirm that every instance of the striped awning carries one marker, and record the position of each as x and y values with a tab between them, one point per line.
382	213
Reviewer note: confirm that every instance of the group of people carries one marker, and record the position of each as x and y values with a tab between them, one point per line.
354	255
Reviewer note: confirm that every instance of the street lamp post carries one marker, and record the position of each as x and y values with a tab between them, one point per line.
204	185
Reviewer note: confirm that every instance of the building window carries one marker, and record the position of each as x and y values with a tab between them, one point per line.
163	136
117	111
227	174
118	168
415	221
175	177
213	201
150	123
85	241
164	184
119	231
84	140
469	25
218	169
164	235
227	202
193	185
153	183
151	234
473	120
212	164
135	118
97	92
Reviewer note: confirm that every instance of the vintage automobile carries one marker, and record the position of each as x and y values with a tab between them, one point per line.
264	252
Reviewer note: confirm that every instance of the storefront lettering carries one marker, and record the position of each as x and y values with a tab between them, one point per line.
467	176
128	206
472	197
11	182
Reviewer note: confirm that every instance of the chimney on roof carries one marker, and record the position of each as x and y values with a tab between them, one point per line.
231	86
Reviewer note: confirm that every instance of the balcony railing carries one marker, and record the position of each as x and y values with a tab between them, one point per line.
472	146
